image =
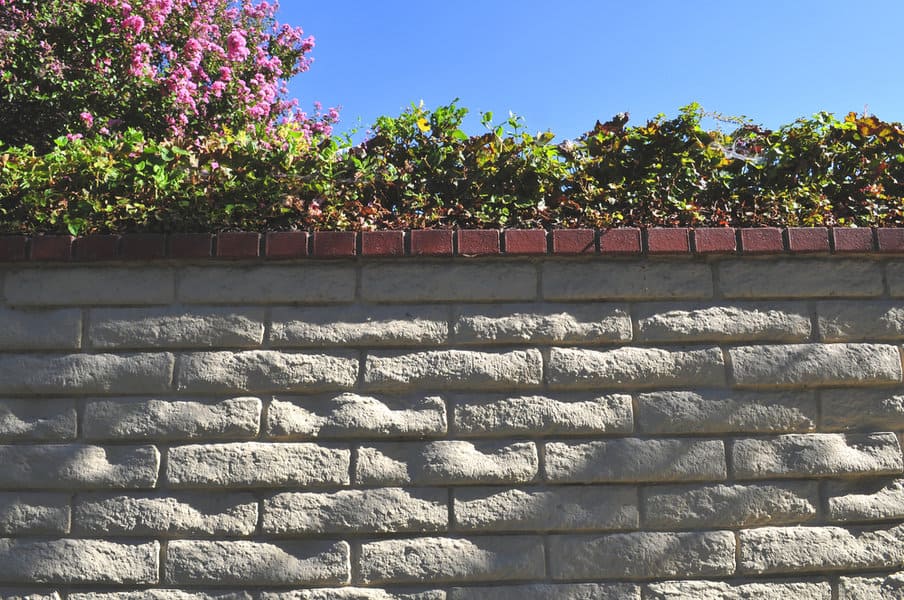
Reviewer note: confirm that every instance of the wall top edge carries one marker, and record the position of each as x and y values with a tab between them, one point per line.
286	245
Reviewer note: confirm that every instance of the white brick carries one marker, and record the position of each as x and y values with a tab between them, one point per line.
40	329
85	373
265	371
359	325
190	562
37	420
51	561
672	322
448	281
256	284
156	419
453	369
542	324
629	280
255	464
635	367
78	466
800	278
176	328
439	560
355	415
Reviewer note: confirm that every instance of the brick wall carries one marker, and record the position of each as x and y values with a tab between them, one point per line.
679	427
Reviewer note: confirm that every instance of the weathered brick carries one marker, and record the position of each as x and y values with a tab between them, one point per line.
818	549
355	415
77	561
439	560
171	419
635	367
266	371
800	278
382	510
34	513
85	373
734	505
720	590
887	587
632	459
540	509
663	322
37	420
161	594
89	286
629	280
550	591
816	364
190	562
642	555
865	500
22	329
453	369
472	281
446	463
532	415
211	327
862	409
287	284
851	320
193	515
352	593
25	594
725	411
359	325
817	455
78	466
255	464
895	274
542	324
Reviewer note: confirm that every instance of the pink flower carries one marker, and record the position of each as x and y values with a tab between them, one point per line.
214	165
87	118
133	23
236	46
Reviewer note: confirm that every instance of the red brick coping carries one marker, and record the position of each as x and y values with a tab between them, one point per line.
434	242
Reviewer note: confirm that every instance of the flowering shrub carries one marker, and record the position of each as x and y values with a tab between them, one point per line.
182	69
421	170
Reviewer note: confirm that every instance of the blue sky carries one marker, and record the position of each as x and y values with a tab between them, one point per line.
563	65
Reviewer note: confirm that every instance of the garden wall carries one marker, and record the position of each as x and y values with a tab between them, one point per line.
637	421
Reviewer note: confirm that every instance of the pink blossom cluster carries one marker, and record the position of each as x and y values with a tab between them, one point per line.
213	63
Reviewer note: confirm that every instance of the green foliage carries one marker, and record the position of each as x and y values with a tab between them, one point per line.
421	170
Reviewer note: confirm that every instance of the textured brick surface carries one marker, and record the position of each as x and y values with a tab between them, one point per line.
265	371
435	463
817	454
192	562
635	367
553	508
256	464
191	515
78	466
544	324
632	459
800	278
171	419
625	281
386	510
731	322
379	427
359	325
725	412
524	415
816	364
56	561
351	415
643	555
819	549
453	369
487	558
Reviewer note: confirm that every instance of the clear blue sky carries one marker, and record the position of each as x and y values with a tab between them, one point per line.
564	64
